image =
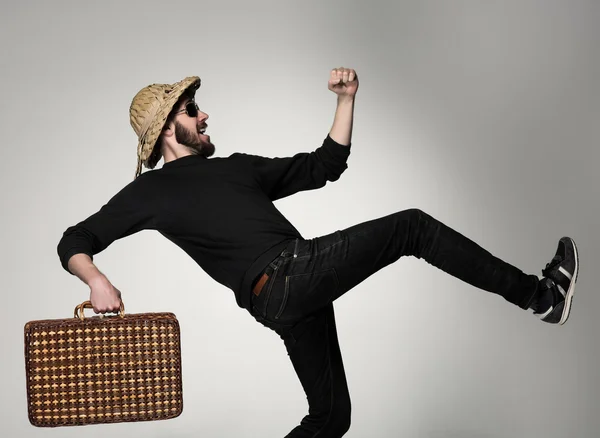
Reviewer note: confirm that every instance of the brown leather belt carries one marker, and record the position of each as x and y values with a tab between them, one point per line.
269	270
259	285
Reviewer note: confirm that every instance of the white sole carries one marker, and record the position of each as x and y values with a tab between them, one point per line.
571	291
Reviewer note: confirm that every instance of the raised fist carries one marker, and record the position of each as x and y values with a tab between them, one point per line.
343	81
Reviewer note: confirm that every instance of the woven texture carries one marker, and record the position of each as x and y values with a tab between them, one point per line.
103	369
148	113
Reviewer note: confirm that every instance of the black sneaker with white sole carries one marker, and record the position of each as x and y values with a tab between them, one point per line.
556	288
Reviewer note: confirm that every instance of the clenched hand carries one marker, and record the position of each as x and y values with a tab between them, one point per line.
343	82
103	295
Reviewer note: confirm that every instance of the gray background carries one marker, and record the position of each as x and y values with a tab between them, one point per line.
482	113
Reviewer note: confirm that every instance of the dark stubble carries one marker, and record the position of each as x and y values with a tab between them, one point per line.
192	141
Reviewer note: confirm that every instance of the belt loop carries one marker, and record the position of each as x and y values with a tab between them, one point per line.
296	248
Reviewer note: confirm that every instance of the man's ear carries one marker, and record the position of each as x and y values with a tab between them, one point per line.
168	130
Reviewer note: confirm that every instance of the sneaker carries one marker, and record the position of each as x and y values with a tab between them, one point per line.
560	276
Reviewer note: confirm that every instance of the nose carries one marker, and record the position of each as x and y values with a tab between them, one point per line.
202	116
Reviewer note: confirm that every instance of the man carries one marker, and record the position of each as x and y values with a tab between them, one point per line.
220	211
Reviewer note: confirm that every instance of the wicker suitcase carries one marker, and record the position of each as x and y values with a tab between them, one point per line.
103	369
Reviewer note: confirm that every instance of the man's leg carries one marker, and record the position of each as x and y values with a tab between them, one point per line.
313	348
414	232
317	271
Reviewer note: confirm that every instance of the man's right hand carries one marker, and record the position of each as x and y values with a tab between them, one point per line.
103	295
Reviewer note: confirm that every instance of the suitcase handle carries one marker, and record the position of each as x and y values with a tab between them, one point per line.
88	305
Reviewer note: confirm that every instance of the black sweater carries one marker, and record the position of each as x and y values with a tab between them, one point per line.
218	210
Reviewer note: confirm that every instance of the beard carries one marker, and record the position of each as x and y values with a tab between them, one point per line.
193	141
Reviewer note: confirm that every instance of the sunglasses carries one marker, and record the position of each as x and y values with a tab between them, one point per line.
191	109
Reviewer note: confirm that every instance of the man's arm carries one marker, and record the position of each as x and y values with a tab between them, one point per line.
344	83
281	177
126	213
341	131
83	267
129	211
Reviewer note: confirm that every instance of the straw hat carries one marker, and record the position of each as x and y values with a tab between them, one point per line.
149	111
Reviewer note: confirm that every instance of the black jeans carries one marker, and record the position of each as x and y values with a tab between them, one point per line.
305	279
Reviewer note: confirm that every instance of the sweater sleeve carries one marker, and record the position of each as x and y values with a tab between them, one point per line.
281	177
124	214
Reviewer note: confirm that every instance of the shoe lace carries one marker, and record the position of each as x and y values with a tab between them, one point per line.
556	260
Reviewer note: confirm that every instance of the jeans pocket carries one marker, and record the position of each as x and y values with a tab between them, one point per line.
305	293
260	302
